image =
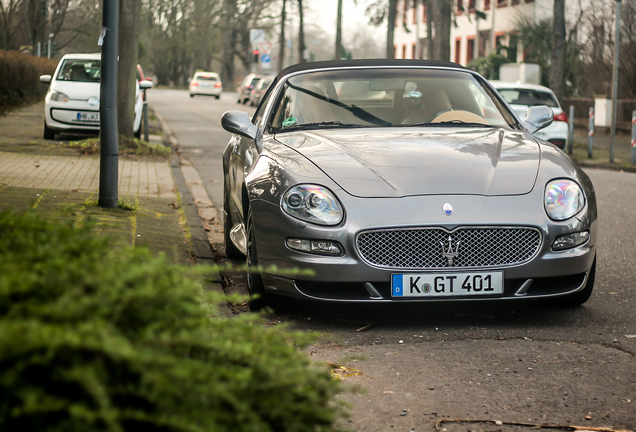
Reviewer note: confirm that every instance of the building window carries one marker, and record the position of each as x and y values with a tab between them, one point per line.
499	41
486	4
484	43
460	7
513	43
471	5
415	15
502	3
405	10
423	13
404	51
470	49
414	52
514	2
458	50
394	51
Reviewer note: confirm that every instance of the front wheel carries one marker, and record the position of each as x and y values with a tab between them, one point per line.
231	251
255	286
49	133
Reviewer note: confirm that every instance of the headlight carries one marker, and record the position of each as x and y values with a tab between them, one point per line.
59	96
312	203
563	199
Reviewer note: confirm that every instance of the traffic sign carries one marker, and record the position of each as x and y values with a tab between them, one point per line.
257	36
266	61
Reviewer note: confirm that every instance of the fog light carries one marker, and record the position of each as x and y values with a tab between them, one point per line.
320	247
569	241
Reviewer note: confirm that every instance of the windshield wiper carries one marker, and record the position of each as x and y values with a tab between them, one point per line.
325	124
449	122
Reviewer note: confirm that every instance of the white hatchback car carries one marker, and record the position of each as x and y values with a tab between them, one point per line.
522	96
72	102
206	83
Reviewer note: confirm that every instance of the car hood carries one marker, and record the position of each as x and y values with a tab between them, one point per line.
77	90
386	162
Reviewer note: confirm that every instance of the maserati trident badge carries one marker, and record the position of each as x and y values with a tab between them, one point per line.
448	209
451	252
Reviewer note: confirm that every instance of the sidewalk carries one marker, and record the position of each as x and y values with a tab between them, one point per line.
58	182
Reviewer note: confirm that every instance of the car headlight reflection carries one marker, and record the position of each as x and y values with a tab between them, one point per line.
59	96
312	203
563	199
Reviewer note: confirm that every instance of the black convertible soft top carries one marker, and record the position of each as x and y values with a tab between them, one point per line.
365	62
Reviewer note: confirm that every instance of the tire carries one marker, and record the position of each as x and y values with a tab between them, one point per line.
191	95
231	251
49	133
255	287
578	298
218	97
138	133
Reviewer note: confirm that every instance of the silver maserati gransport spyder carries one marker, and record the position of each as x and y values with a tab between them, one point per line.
403	180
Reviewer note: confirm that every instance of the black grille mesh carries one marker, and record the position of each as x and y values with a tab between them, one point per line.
421	248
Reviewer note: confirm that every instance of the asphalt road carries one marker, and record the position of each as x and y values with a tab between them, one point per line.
514	362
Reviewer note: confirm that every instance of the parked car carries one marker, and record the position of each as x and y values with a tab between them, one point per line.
259	89
141	77
72	101
523	96
206	83
246	86
437	192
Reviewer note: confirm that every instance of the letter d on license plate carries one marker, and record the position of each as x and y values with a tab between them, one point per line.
446	284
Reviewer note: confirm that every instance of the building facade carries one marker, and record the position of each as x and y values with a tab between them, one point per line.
478	27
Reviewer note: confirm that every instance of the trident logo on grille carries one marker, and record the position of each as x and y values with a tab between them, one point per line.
449	253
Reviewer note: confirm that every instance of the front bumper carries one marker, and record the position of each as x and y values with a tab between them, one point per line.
349	278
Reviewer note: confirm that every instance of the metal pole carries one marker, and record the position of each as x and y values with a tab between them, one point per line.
109	153
634	138
48	51
39	49
590	134
615	83
146	138
571	136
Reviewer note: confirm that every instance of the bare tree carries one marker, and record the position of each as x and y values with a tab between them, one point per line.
338	54
301	33
129	16
557	70
281	48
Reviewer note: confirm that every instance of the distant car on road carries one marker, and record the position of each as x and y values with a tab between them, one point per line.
72	102
246	86
206	84
523	96
259	89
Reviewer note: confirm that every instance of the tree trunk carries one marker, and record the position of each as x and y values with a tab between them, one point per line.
390	31
129	16
557	69
442	10
281	49
229	37
301	33
429	29
339	53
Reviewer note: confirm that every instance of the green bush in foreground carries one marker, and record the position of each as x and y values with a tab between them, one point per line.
100	339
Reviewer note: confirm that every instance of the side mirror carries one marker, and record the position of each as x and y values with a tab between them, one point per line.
538	117
145	84
46	79
238	122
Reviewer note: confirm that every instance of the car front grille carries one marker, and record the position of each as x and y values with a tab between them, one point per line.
427	248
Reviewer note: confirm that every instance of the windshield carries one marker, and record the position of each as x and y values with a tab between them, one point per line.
386	98
79	70
205	77
529	97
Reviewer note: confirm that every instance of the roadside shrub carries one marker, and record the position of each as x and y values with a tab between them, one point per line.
94	338
488	66
128	146
20	78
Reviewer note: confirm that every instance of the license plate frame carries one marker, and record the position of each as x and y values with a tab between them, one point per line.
447	284
87	117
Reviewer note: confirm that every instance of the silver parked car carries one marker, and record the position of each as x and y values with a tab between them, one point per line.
396	180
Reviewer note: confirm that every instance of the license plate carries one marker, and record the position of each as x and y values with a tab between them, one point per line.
206	85
87	117
446	284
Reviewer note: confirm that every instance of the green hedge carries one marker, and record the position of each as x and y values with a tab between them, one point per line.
100	339
20	78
